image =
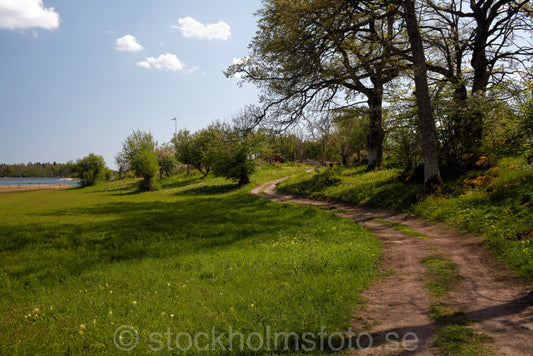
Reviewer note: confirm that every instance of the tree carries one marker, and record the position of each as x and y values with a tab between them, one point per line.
492	36
122	163
88	169
309	54
233	161
166	159
203	149
139	150
351	127
428	135
197	150
182	143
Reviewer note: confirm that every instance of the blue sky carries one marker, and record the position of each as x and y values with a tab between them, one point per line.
78	76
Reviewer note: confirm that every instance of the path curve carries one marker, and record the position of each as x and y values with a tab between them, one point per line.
493	299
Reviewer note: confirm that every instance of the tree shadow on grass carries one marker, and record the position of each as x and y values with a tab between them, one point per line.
211	189
79	239
181	183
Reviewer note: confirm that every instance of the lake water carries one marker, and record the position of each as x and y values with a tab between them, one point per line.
37	181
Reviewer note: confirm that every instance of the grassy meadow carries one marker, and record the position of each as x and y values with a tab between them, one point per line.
198	254
497	203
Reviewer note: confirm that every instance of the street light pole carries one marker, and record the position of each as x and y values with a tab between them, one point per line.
175	126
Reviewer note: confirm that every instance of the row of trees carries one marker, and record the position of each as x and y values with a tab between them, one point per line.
219	149
34	170
438	59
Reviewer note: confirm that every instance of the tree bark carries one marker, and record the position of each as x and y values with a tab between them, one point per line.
148	185
426	121
375	133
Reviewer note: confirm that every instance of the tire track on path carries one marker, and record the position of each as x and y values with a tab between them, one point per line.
493	299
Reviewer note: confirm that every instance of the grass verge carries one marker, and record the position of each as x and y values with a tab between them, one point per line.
497	203
402	228
454	337
198	255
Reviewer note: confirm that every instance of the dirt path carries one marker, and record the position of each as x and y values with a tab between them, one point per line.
496	303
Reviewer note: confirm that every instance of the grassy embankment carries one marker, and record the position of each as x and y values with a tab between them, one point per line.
497	203
200	253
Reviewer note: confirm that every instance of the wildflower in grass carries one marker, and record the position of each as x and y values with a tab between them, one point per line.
110	312
134	302
171	315
82	326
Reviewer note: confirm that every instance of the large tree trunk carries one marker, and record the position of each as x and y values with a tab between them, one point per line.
148	185
480	64
375	133
432	177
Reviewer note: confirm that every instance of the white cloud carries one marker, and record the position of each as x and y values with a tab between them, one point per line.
237	61
240	60
128	43
144	64
192	28
21	14
166	61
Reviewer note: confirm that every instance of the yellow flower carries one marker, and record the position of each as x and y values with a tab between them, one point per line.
134	302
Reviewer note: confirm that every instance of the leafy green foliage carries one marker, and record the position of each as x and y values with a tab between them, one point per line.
199	149
88	169
139	150
233	162
34	170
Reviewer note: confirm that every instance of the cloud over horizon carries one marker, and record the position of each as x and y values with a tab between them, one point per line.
23	14
128	43
192	28
167	61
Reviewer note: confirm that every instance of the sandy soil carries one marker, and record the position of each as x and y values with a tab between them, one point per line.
10	188
493	299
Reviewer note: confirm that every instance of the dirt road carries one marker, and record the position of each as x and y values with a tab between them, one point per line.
493	300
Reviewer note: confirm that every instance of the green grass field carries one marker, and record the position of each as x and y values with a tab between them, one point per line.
501	209
199	254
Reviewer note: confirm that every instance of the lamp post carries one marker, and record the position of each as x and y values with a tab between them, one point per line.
175	126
